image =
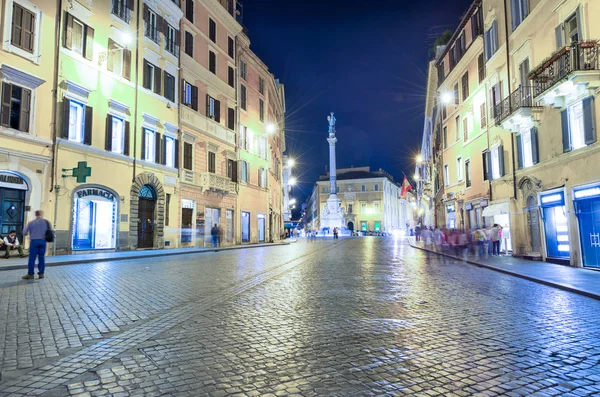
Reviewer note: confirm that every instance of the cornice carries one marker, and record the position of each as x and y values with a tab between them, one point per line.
221	13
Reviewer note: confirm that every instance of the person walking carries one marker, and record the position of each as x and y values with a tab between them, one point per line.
11	243
479	238
40	232
495	239
221	235
214	233
335	232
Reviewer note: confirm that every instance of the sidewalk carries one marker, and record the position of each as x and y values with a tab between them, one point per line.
60	260
580	281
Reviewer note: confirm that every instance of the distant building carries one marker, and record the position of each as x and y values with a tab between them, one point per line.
370	201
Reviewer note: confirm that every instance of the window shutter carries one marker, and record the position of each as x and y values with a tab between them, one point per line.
89	118
189	10
17	28
187	156
534	146
514	13
130	5
558	33
564	116
519	139
500	150
579	22
143	156
176	153
495	36
588	120
66	114
194	97
126	138
28	31
234	177
157	80
231	77
108	137
189	44
163	151
488	165
126	63
217	111
177	37
146	13
231	119
157	148
89	43
159	24
25	110
6	98
68	31
207	106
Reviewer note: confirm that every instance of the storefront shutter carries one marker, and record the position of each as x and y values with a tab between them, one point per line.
519	139
108	137
194	97
157	148
534	146
126	138
89	43
176	153
143	156
564	117
25	110
126	64
89	118
217	111
68	30
65	120
157	80
500	150
588	120
6	98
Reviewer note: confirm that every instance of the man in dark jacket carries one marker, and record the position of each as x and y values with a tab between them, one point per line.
37	244
214	233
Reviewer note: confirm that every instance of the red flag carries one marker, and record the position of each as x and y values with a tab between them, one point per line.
406	186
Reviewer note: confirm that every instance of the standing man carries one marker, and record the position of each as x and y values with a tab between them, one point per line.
36	229
11	243
214	233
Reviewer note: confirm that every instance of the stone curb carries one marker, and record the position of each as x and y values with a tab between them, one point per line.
151	254
563	287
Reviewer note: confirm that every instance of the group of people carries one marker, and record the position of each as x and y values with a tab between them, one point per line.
484	242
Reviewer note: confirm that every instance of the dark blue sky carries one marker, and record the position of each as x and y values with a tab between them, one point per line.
364	60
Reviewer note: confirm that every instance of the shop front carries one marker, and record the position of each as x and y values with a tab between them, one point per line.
245	227
262	224
587	208
95	218
498	214
451	215
556	224
474	211
13	191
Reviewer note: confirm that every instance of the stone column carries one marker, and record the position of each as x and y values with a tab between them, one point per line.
332	165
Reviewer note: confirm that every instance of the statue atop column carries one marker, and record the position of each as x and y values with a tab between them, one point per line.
332	215
332	121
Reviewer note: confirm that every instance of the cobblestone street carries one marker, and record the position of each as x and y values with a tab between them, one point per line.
353	317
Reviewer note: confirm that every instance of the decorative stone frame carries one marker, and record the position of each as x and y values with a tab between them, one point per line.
159	214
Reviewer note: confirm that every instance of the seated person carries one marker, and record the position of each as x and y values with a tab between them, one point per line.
11	243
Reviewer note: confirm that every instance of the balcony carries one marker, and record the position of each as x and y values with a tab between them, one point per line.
516	108
202	124
567	72
172	46
119	9
209	181
151	32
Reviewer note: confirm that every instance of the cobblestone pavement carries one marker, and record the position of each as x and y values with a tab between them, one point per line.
355	317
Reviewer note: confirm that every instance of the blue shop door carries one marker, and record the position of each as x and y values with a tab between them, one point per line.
557	232
589	230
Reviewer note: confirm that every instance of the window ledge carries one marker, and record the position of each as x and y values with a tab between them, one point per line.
25	136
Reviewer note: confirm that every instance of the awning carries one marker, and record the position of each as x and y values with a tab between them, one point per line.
495	209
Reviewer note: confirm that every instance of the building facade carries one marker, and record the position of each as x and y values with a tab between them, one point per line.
538	79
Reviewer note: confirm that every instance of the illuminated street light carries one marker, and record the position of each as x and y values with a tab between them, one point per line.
416	177
293	201
291	162
270	128
419	159
447	98
127	38
292	181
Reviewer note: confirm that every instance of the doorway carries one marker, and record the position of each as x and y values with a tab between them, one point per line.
12	205
261	227
533	219
351	226
146	210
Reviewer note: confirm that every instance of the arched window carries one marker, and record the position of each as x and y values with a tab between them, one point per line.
148	192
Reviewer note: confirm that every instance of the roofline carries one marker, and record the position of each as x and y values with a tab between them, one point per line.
459	28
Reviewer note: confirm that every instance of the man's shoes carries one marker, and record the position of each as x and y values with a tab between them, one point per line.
6	256
28	277
40	275
22	256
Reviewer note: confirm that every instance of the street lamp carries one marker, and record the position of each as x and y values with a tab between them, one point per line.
419	159
447	98
416	177
126	38
270	128
291	163
292	181
293	201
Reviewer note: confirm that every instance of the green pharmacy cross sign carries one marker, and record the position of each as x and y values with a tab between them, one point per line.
81	172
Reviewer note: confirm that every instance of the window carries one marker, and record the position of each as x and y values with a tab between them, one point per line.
465	86
152	77
243	72
457	127
466	129
151	24
245	172
446	175
459	169
172	40
213	108
76	121
491	40
23	28
376	206
261	110
169	87
324	190
231	118
519	10
363	188
481	67
212	162
456	94
349	208
261	85
244	104
468	173
527	147
483	115
230	47
578	125
16	107
186	95
122	9
262	178
262	146
119	60
189	44
212	62
118	135
169	151
149	145
441	74
188	155
189	10
493	163
445	137
231	77
376	188
212	30
496	98
79	37
243	140
230	168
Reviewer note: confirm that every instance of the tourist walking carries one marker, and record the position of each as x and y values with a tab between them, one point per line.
214	233
40	232
495	239
335	232
479	238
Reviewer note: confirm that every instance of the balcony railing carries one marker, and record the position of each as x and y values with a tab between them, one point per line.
172	46
579	56
119	8
177	2
522	97
209	181
151	32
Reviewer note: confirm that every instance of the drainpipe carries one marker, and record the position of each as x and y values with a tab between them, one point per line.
137	69
512	138
238	121
53	176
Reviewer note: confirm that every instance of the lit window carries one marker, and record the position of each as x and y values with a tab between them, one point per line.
118	135
495	164
576	126
459	169
169	152
76	121
187	93
150	145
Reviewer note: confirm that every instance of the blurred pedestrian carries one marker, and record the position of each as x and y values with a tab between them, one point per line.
40	232
479	239
495	239
214	233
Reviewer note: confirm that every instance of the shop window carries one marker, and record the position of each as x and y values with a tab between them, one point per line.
95	219
245	227
363	226
16	107
149	144
578	125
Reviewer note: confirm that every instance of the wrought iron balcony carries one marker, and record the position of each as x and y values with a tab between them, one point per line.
151	32
579	59
172	46
519	103
119	8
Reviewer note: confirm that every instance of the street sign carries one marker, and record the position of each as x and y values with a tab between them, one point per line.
82	171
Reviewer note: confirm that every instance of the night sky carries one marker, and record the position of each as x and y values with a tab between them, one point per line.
364	60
